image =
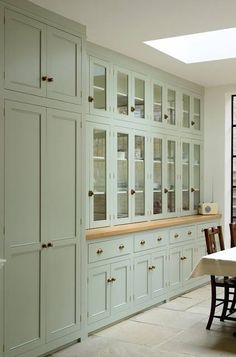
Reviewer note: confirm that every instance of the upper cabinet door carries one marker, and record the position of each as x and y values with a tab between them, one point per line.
25	54
99	87
157	102
191	113
170	115
186	110
122	88
196	120
63	66
139	100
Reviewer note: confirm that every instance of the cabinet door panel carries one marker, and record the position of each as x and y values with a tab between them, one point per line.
120	289
141	279
98	293
175	271
62	314
25	54
158	274
24	299
188	262
60	202
64	66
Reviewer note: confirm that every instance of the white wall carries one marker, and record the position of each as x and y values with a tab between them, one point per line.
217	149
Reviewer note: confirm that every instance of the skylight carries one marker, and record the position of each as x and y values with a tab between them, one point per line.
199	47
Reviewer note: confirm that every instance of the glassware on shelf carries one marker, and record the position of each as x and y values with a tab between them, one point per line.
186	111
157	103
139	98
122	93
99	86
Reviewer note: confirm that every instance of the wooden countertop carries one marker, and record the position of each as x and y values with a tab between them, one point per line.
97	233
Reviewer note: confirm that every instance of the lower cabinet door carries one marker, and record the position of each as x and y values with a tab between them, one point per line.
142	278
158	274
175	268
187	263
120	286
98	293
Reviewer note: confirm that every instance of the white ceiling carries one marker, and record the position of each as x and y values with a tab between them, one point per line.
122	25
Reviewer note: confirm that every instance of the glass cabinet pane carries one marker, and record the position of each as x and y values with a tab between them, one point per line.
99	170
196	113
185	176
196	175
171	162
186	111
157	176
171	106
139	159
139	98
157	103
99	86
122	93
122	175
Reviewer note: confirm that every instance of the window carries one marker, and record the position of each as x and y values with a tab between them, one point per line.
233	161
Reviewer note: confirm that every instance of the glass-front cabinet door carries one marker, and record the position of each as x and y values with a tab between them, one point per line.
138	192
196	179
122	201
99	91
98	191
139	94
157	103
196	120
186	110
157	176
186	169
171	176
170	115
122	92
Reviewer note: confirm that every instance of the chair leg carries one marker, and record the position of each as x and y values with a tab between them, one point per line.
226	301
232	308
213	306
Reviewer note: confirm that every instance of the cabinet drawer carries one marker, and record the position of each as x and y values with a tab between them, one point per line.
160	238
182	234
143	242
201	227
109	249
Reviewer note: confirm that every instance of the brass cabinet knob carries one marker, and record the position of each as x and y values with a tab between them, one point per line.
44	245
150	268
153	267
50	245
189	233
132	192
183	258
166	116
202	230
193	189
50	79
44	78
109	280
113	279
90	193
192	122
132	109
90	99
159	239
142	242
100	251
165	190
176	235
121	246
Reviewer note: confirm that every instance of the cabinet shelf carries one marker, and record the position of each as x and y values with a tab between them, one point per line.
122	191
139	191
139	99
157	161
99	193
120	94
139	160
102	89
157	103
99	158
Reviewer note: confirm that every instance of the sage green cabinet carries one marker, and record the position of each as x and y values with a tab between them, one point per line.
41	60
109	290
149	276
191	113
41	226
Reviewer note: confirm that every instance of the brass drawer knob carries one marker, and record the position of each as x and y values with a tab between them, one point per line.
132	109
44	245
142	242
166	116
90	193
113	279
90	99
44	78
153	267
121	246
183	258
189	233
109	280
99	251
132	192
50	79
193	189
192	122
159	239
176	235
50	245
150	268
166	190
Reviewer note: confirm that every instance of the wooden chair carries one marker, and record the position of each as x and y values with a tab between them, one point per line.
214	242
232	227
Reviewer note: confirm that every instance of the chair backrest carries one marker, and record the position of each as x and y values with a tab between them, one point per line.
212	236
232	227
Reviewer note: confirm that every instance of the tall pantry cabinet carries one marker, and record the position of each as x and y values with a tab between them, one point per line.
41	124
